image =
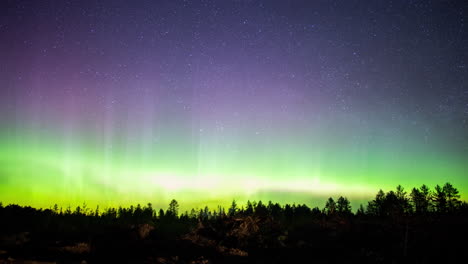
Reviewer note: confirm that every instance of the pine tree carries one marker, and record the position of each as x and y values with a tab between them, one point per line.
233	209
440	199
330	206
452	196
173	210
343	206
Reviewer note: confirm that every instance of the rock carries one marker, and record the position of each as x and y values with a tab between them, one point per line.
144	230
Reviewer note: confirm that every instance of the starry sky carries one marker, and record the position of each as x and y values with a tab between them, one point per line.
118	102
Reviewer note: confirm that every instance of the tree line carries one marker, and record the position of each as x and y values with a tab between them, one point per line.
419	201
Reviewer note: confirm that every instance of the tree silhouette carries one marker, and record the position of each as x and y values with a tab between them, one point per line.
343	206
288	212
418	200
233	209
148	213
260	209
375	207
388	222
249	210
452	197
426	198
206	214
392	203
421	199
193	213
360	211
440	199
302	211
161	214
173	210
315	212
274	209
403	202
330	206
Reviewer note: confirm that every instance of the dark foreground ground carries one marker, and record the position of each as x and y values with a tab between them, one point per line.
251	239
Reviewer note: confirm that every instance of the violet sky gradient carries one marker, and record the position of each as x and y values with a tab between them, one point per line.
119	102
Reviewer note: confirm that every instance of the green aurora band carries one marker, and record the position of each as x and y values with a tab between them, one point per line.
42	172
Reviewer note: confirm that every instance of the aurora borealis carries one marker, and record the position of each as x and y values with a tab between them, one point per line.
117	102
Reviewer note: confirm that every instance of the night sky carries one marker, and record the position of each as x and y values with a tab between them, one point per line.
122	102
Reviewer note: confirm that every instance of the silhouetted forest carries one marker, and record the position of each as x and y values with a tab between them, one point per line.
421	225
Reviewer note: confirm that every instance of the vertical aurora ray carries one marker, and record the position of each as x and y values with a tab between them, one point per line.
116	105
